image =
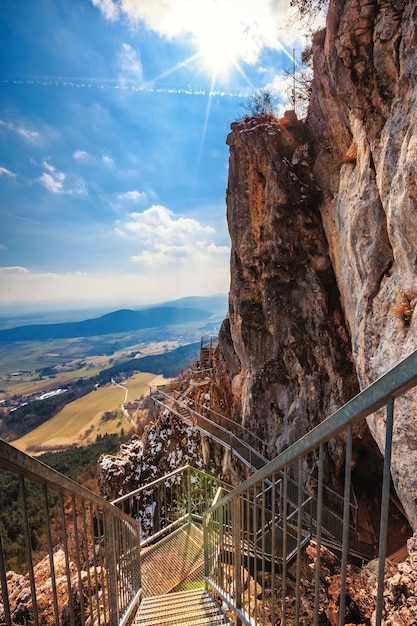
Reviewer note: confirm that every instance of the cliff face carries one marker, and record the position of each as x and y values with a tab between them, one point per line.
290	365
363	118
322	219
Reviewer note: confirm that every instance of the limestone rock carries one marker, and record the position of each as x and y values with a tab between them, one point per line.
284	349
365	93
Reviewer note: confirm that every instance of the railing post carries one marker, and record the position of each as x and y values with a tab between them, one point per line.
346	516
384	510
189	503
110	548
237	541
3	584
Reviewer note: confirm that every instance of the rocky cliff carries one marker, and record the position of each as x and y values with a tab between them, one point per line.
322	219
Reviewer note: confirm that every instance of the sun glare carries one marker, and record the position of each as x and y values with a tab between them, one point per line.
220	45
218	54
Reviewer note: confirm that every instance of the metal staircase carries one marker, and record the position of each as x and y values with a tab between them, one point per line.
184	608
113	551
173	587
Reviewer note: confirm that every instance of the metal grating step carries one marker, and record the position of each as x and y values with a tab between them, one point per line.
190	608
172	561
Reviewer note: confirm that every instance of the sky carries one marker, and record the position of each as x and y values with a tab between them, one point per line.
114	116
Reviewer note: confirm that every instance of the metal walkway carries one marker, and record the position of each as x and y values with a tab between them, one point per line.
96	555
183	406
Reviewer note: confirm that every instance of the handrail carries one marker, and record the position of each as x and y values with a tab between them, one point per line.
233	425
391	385
224	436
99	544
231	520
174	499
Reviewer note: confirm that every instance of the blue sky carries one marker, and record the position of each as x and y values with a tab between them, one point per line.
113	163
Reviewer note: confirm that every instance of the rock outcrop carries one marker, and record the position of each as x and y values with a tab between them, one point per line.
284	343
363	119
322	219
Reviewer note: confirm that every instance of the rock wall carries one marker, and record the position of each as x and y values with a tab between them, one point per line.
284	345
322	220
363	118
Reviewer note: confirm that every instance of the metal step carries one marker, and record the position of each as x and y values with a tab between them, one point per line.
186	608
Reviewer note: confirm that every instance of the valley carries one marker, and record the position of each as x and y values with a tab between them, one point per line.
57	391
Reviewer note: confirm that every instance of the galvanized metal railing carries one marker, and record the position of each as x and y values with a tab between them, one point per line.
91	548
235	437
173	500
252	533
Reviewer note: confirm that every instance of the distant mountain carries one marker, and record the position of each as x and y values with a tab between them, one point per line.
216	304
124	320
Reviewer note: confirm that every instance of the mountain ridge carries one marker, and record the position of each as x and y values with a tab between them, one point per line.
122	320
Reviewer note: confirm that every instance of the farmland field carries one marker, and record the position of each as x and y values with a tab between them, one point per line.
80	421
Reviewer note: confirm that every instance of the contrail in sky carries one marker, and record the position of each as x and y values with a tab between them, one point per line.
122	85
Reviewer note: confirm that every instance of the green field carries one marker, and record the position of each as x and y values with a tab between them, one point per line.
21	363
79	422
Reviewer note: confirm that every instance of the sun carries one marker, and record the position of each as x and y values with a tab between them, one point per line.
220	46
218	54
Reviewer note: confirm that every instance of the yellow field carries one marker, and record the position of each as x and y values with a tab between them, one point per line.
79	421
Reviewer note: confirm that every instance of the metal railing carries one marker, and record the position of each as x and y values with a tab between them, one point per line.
175	499
87	549
252	533
210	423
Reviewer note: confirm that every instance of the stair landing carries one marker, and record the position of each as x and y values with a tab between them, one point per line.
175	563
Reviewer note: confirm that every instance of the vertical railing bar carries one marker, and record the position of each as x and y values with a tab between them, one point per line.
346	515
263	550
248	526
284	546
93	541
255	564
50	552
123	561
220	543
273	540
67	558
237	554
383	528
139	557
189	508
3	584
103	564
77	559
29	560
299	527
87	564
110	548
319	522
106	567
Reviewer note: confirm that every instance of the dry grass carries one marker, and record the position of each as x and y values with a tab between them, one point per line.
79	422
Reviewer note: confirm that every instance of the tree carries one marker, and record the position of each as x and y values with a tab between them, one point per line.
309	9
261	102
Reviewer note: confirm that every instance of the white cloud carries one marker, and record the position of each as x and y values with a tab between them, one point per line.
19	285
134	196
32	136
80	155
108	160
130	63
6	172
2	246
13	269
53	180
109	9
53	184
251	26
164	238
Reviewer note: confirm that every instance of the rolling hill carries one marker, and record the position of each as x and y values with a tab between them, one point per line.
124	320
